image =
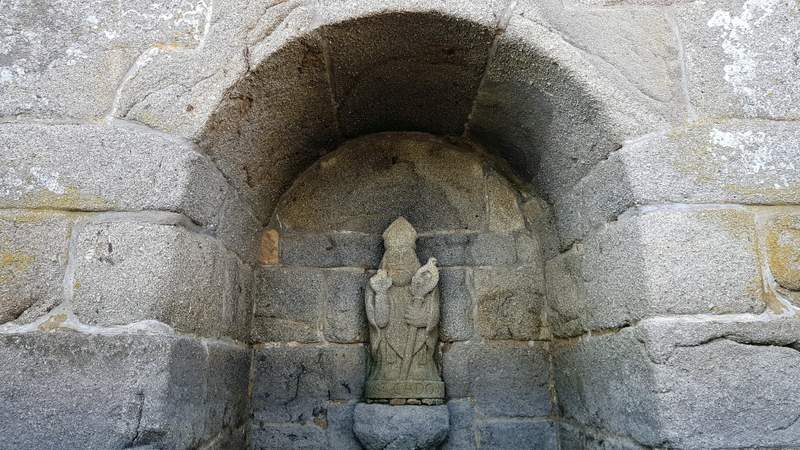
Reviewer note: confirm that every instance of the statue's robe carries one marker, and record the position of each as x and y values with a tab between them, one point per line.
389	342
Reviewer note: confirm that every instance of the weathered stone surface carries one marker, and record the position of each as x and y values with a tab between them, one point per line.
686	383
566	295
65	60
331	249
739	57
275	121
462	434
293	383
345	319
733	161
127	270
340	427
671	261
510	301
470	249
471	369
66	390
384	81
457	305
288	305
783	250
381	427
33	259
269	248
502	207
546	109
435	184
100	168
576	438
508	434
227	407
287	436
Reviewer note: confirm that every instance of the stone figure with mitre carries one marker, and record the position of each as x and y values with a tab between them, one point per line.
402	306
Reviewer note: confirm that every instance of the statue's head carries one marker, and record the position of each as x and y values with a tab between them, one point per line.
400	257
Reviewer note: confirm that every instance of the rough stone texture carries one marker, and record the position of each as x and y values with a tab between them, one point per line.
384	81
128	271
381	427
508	434
342	249
471	369
502	206
66	60
462	434
276	120
345	317
288	305
106	392
783	250
510	301
457	305
689	383
741	57
435	185
340	427
577	438
295	382
677	261
100	168
287	436
734	161
470	249
33	259
545	107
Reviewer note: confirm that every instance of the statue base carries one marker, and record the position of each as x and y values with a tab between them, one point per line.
379	426
388	390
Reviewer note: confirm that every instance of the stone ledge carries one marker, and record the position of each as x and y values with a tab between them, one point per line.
94	391
699	382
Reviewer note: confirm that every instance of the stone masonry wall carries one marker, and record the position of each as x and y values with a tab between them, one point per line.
309	327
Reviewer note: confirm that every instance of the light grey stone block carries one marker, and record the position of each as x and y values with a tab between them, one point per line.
456	304
510	434
291	383
471	369
578	438
340	427
686	383
33	260
331	249
463	433
129	271
102	168
228	379
739	57
670	261
66	60
66	390
380	426
288	305
345	317
733	161
510	301
287	436
491	249
566	295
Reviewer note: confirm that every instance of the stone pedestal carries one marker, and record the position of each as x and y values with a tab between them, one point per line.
380	426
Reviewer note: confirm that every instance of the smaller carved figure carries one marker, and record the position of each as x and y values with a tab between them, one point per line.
402	306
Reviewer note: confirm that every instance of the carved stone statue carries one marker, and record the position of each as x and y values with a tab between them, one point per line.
402	305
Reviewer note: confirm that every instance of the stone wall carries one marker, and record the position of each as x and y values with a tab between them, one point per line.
146	148
309	327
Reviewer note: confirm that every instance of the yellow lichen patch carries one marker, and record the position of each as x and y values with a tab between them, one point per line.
13	262
72	198
52	323
774	305
783	251
269	250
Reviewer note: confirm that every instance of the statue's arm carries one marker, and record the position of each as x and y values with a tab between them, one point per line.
381	310
369	306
